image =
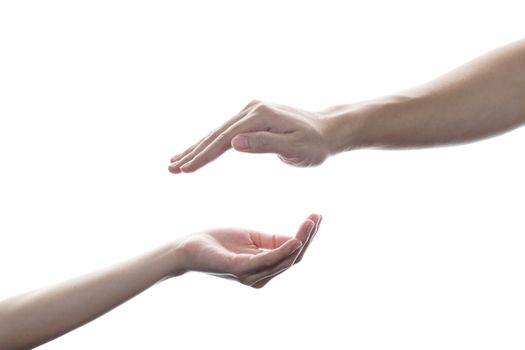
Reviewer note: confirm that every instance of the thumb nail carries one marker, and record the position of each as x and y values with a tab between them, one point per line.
240	143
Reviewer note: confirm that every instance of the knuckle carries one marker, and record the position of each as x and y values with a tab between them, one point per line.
261	107
212	134
253	103
221	136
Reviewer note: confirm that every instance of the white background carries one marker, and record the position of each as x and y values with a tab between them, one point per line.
419	249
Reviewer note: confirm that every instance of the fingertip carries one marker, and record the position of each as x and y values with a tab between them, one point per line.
314	216
305	230
173	169
309	224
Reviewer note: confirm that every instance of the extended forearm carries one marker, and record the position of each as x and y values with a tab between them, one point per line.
36	317
481	98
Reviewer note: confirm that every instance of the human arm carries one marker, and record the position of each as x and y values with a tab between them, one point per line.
483	97
251	257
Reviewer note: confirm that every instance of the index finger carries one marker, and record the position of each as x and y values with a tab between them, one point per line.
181	159
219	145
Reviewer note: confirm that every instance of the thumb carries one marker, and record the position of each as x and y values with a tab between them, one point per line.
261	142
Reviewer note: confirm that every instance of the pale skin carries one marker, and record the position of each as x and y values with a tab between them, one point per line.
250	257
481	98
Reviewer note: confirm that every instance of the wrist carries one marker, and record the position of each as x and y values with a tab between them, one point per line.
342	127
176	262
360	125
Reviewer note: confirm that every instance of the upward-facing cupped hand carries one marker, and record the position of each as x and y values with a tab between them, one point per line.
251	257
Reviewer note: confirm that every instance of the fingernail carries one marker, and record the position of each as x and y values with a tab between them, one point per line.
240	143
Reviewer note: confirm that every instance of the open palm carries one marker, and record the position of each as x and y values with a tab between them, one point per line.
251	257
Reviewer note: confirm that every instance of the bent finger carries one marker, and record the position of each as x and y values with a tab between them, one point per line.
267	259
304	234
316	218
